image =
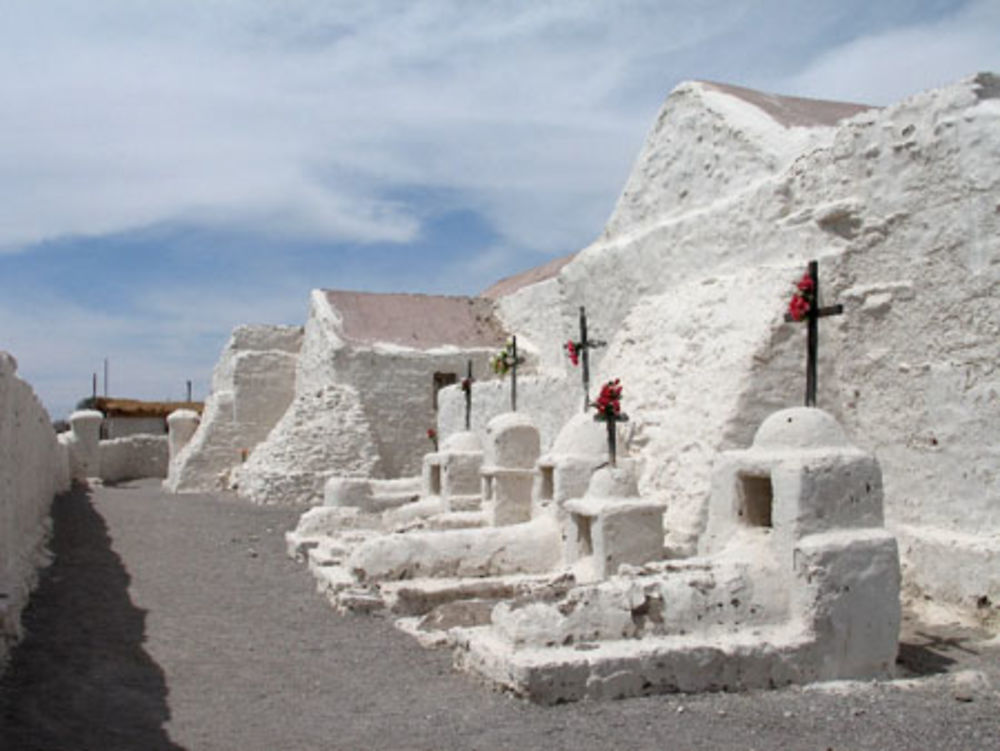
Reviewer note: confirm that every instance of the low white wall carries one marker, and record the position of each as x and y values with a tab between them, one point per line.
33	468
122	427
134	457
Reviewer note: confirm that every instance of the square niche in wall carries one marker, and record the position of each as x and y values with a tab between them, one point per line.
756	500
435	480
547	489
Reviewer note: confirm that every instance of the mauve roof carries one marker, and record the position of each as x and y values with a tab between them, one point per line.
792	110
511	284
418	321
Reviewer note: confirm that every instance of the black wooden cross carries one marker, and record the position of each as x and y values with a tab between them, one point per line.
583	347
467	388
812	319
513	361
611	420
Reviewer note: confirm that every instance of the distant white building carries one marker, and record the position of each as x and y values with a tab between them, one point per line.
125	417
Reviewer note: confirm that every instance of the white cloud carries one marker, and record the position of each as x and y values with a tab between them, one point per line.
882	68
307	119
299	117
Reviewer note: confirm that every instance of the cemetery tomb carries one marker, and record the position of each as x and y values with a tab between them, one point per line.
453	473
610	525
512	446
797	581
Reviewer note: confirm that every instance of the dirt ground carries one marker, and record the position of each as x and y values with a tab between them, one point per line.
177	622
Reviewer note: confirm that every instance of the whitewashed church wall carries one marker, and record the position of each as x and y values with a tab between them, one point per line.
263	387
252	388
33	469
134	457
707	195
324	432
901	210
917	361
705	146
549	400
536	315
699	374
396	388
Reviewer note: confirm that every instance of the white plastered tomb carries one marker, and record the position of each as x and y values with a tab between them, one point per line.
797	581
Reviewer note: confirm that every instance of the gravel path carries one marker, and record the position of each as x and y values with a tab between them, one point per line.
177	622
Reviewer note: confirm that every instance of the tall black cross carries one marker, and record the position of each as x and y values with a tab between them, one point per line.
467	388
611	420
812	320
512	362
583	347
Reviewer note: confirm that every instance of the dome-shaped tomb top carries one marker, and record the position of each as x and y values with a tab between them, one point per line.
582	435
512	441
800	428
465	441
614	482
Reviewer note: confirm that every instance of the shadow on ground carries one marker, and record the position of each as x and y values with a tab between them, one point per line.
923	653
81	679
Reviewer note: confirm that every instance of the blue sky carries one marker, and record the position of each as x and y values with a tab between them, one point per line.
171	168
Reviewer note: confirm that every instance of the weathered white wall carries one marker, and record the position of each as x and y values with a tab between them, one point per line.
33	468
396	389
322	432
358	410
550	400
134	457
122	427
252	386
536	315
901	206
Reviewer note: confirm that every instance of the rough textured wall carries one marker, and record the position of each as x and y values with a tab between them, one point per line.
535	314
33	468
549	399
360	409
706	196
699	372
122	427
134	457
900	204
396	390
252	386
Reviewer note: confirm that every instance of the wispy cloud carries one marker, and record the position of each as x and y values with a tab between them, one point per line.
430	145
884	67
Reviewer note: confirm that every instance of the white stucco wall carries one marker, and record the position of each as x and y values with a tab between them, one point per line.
133	457
550	399
122	427
901	207
536	315
33	468
359	410
252	386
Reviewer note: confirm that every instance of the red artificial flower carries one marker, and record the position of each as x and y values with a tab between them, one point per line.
432	434
466	384
805	284
571	350
609	400
798	308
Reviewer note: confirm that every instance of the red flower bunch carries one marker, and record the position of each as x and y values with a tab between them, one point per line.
572	351
466	384
432	434
609	400
801	302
